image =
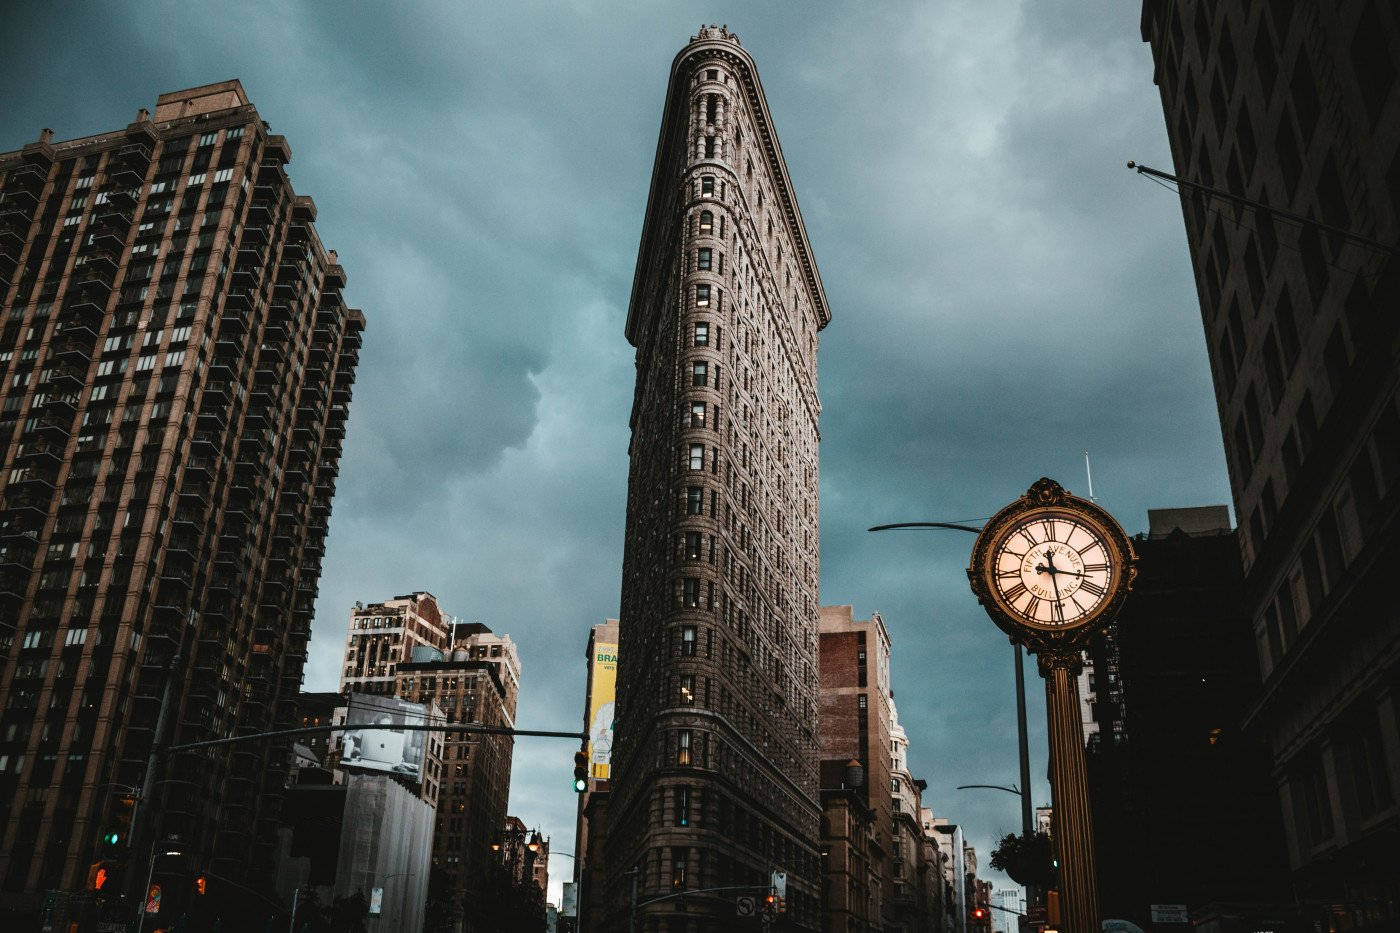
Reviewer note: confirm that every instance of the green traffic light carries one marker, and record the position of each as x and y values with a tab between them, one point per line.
580	785
111	839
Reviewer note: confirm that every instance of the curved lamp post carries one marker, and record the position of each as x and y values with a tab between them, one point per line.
1021	736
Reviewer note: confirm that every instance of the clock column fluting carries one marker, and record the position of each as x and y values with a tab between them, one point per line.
1052	570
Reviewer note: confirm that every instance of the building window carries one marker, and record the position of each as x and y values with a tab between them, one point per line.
702	334
707	186
709	147
692	545
688	633
699	373
682	819
707	222
694	500
683	749
861	701
687	690
690	597
696	457
679	856
702	296
704	259
697	414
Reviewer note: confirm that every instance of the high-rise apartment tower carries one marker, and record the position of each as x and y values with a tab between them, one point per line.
715	755
1297	105
177	362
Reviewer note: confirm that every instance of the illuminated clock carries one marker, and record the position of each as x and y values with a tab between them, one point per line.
1051	564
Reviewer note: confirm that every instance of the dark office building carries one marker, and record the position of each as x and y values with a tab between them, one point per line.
1297	105
715	758
1184	806
177	363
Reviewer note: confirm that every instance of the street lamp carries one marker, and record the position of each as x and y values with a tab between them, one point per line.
1023	742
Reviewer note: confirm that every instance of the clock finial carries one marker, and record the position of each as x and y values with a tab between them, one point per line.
1045	491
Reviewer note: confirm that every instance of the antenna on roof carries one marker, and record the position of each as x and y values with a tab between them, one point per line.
1089	473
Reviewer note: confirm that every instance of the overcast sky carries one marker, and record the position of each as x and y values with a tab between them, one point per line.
1004	296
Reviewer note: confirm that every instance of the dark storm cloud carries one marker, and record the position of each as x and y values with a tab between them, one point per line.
1005	296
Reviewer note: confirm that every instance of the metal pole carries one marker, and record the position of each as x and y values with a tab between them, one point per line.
632	914
145	892
1021	736
1032	891
292	924
142	819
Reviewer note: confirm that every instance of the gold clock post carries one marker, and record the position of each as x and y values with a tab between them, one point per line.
1052	571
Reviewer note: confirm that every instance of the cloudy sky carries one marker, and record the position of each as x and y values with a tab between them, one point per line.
1005	295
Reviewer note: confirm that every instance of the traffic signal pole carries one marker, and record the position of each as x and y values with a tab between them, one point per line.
141	821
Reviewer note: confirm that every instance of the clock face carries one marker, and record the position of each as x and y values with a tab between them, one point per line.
1053	569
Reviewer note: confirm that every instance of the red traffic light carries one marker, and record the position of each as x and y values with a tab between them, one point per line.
201	884
979	914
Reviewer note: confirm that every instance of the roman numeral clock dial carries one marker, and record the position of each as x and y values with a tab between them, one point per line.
1051	563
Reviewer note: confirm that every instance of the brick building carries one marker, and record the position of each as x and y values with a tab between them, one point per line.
407	647
1297	105
177	362
855	715
478	681
715	757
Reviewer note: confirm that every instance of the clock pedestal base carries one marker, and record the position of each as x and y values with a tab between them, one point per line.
1069	785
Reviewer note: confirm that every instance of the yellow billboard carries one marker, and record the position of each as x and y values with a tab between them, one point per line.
602	696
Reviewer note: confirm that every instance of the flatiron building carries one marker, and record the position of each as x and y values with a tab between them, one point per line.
715	758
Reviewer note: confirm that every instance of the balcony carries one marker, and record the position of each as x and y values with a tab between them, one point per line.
120	198
20	199
111	221
253	236
135	156
14	223
41	453
246	276
88	310
54	430
68	376
18	552
26	177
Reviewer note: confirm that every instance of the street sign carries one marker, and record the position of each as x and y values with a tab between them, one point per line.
153	898
779	882
746	906
1170	913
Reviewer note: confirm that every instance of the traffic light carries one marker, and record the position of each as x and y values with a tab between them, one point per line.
116	836
782	905
580	771
979	914
201	885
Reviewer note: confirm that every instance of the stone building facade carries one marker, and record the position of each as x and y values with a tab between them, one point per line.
177	361
715	755
1297	105
383	635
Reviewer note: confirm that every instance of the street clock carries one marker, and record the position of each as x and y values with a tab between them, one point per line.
1051	568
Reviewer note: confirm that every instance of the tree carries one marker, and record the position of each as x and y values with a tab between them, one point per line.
1028	859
